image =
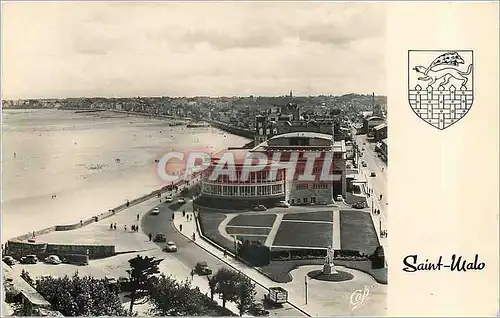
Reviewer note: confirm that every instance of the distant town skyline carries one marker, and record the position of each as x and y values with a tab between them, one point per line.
123	49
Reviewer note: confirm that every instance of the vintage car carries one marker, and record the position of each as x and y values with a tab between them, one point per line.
170	247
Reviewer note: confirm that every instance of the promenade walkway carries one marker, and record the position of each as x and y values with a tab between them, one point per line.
128	243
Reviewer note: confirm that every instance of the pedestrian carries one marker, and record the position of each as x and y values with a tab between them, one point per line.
187	217
192	274
132	228
81	223
194	236
225	253
111	226
180	227
125	227
150	236
183	213
137	217
114	226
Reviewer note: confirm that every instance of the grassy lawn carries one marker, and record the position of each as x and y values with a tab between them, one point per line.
247	230
357	232
304	234
253	220
310	216
210	227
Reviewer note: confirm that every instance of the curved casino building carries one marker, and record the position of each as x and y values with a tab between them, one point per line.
285	184
241	190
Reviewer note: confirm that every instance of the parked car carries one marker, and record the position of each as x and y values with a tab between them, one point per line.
29	259
170	247
259	207
283	204
201	268
359	205
155	211
53	259
181	200
169	199
160	238
257	310
9	260
339	197
373	174
363	163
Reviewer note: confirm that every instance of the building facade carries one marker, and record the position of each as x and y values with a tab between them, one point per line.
370	123
301	168
380	132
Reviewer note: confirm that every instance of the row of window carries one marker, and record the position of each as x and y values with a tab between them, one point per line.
305	186
252	177
243	190
302	201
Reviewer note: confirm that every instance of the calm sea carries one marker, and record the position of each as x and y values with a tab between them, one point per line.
91	162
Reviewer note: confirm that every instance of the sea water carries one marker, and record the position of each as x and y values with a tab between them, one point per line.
90	162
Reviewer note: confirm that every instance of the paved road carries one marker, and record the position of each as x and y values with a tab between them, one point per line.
189	253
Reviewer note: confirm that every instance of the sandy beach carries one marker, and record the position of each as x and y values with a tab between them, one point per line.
90	162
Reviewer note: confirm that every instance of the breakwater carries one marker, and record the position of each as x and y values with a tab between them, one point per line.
247	133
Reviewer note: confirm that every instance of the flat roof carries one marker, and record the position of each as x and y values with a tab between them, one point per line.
305	134
380	126
374	117
239	155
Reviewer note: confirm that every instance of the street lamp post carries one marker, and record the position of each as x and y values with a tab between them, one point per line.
305	284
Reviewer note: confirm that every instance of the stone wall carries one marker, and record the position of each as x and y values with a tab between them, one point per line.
19	249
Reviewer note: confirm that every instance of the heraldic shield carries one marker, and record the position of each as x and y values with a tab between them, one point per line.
440	85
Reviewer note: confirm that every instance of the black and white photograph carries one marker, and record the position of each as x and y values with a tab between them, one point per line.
194	159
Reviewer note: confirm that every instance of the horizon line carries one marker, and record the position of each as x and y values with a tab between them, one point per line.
192	96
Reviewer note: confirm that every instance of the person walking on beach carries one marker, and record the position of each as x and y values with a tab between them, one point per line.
150	236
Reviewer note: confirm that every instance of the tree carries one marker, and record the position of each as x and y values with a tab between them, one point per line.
212	284
80	296
172	298
225	285
245	293
142	271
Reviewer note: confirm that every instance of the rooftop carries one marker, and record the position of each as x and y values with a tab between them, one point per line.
304	134
374	117
384	125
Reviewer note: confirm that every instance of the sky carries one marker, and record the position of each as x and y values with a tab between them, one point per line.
121	49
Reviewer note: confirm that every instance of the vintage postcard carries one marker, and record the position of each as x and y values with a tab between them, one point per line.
231	158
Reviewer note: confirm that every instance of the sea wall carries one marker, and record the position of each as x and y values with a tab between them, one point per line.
232	129
18	249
